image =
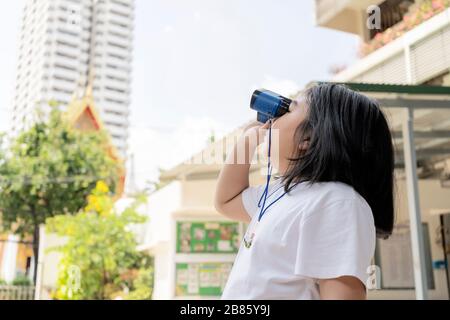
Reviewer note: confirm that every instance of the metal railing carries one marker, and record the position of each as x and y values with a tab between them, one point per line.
9	292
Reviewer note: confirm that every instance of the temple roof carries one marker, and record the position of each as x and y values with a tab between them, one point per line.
83	115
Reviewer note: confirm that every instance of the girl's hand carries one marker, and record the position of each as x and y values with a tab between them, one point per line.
256	131
233	178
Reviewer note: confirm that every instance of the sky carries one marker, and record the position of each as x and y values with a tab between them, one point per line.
196	64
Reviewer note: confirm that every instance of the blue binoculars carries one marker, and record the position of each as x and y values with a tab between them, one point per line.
269	105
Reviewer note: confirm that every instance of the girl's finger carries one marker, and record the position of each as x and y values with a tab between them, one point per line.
265	125
252	125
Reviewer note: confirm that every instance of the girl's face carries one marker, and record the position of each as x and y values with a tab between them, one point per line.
283	146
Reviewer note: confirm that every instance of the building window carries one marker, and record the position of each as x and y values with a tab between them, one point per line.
394	257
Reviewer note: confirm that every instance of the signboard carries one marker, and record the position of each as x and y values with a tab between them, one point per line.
207	237
201	279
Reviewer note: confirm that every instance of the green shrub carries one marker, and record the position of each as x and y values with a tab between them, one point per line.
21	280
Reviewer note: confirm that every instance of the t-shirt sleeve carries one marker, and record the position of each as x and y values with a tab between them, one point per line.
337	240
250	198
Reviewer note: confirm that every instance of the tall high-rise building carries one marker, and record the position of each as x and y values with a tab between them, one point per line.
66	46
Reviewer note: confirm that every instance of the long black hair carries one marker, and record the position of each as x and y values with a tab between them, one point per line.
349	142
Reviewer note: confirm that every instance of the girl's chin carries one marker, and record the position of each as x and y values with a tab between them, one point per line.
280	171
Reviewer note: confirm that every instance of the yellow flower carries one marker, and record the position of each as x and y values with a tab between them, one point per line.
101	187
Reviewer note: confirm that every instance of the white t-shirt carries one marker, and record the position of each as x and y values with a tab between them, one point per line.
317	231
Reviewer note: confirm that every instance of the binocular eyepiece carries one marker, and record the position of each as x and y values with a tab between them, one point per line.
269	105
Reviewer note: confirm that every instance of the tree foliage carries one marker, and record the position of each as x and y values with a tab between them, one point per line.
102	249
49	170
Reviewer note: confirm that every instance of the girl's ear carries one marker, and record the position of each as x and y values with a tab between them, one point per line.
304	145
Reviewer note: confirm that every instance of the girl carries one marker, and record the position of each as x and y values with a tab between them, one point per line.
312	233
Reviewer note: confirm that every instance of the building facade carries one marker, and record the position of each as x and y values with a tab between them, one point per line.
67	44
409	46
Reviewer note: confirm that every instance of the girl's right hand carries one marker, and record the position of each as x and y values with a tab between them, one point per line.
234	176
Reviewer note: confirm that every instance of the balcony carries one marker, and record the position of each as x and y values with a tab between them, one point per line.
417	56
396	18
118	73
115	130
393	28
115	120
123	8
116	96
112	106
117	63
343	15
118	29
120	109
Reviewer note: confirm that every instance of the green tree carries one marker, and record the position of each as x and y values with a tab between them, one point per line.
102	248
49	170
143	285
